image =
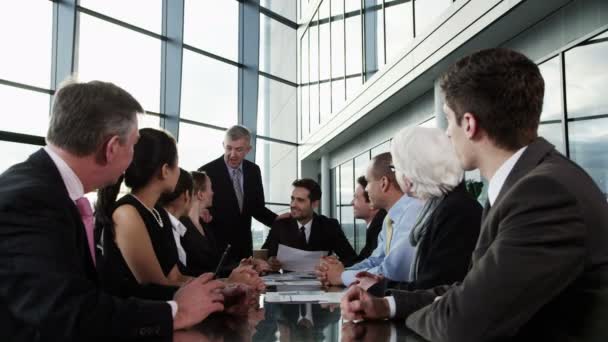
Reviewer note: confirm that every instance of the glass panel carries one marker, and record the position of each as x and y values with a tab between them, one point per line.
305	58
589	148
314	53
305	111
360	232
285	8
314	106
324	43
276	110
352	6
337	42
209	90
346	183
277	49
127	58
28	111
278	164
374	36
259	231
553	133
336	190
552	103
427	11
325	98
361	163
202	22
353	45
353	84
26	44
384	147
148	121
399	29
13	153
337	96
130	11
585	83
334	199
198	145
348	223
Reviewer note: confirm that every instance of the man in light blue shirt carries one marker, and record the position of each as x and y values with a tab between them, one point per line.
394	253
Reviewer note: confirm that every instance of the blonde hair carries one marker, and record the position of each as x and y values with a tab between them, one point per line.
426	157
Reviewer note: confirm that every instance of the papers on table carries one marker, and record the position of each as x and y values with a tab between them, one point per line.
295	279
293	259
303	296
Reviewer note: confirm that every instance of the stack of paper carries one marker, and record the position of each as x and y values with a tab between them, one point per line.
303	296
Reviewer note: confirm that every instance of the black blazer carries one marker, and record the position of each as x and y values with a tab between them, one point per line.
540	268
229	225
325	235
371	236
49	289
444	253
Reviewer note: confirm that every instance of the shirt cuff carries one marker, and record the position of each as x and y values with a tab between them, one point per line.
348	277
392	306
173	305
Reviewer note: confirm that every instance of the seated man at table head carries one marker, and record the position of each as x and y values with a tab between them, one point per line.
307	230
373	217
49	289
394	253
540	268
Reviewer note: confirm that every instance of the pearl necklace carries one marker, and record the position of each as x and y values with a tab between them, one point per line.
153	211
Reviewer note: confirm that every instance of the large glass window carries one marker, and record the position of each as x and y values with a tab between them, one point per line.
361	163
399	28
209	90
354	48
26	41
427	11
130	11
26	111
278	165
277	48
127	58
212	26
285	8
148	121
276	110
374	36
551	118
13	153
259	231
198	145
589	148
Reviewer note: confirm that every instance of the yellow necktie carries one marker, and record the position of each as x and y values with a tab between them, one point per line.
389	233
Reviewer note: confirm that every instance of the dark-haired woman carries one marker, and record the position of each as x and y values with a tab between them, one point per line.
137	238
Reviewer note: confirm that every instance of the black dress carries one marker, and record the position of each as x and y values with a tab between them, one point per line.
115	274
202	251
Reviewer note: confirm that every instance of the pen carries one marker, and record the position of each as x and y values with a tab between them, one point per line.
221	263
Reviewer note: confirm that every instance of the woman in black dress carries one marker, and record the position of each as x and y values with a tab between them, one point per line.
137	240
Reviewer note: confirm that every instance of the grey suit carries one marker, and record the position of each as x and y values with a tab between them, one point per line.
540	267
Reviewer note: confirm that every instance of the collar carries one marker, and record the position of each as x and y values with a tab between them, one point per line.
231	169
177	225
71	181
396	210
498	180
307	226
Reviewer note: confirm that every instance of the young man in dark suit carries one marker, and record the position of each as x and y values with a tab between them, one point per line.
305	229
373	217
540	267
239	195
49	289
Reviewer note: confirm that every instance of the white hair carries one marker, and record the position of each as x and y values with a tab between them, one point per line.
425	157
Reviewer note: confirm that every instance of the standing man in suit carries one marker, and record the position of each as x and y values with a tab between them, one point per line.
49	289
373	217
540	267
239	195
307	230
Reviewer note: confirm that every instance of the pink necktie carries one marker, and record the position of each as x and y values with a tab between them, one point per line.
84	207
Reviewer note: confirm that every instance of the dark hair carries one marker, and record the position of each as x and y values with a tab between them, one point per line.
503	89
314	190
200	180
363	182
84	115
184	185
381	167
154	149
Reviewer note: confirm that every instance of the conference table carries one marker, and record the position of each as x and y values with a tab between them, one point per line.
294	321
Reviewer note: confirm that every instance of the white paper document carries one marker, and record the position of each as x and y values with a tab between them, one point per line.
303	296
293	259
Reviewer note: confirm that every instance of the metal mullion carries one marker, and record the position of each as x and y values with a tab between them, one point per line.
120	23
344	45
562	78
22	138
212	55
414	18
276	140
319	61
363	50
384	31
276	78
202	124
331	90
278	17
26	87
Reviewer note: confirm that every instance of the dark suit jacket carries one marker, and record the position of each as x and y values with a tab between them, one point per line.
325	235
371	236
444	254
229	225
49	288
540	268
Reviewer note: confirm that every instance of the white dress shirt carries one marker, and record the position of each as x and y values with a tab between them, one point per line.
307	228
498	180
179	230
